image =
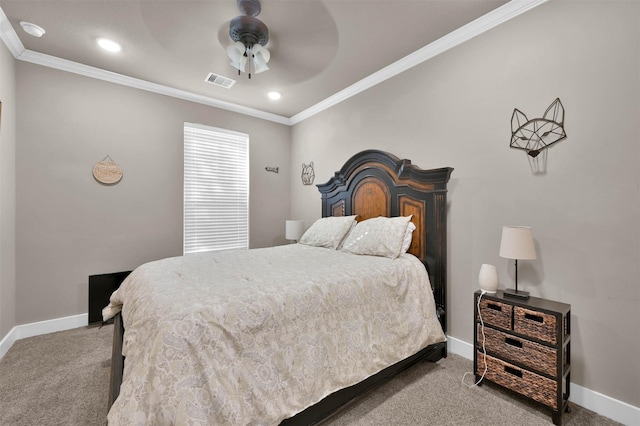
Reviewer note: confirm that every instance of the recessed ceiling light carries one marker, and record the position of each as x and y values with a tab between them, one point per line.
274	96
32	29
109	45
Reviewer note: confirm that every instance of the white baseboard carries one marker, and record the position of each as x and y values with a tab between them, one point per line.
606	406
460	347
43	327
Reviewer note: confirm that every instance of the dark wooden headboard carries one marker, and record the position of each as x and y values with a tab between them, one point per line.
375	183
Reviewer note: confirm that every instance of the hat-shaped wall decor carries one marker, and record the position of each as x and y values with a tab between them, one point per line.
107	171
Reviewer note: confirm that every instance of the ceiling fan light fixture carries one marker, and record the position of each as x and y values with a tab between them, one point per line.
238	56
250	35
260	57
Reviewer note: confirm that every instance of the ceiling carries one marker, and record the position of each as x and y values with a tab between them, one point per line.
319	49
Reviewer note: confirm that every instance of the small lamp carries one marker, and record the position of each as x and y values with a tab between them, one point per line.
294	229
488	278
517	244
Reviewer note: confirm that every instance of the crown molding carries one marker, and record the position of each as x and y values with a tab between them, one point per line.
112	77
469	31
9	36
453	39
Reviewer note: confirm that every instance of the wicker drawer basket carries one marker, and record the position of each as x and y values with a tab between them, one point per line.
536	324
524	382
531	354
496	313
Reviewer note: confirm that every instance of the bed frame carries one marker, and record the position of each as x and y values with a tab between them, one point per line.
372	183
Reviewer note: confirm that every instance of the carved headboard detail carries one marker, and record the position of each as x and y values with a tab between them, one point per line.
375	183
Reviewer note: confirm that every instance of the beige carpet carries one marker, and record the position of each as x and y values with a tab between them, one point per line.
57	379
62	379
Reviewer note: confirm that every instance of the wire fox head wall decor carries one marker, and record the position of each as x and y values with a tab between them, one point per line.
536	134
308	175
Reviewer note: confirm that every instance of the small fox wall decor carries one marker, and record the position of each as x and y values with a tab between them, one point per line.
538	133
308	174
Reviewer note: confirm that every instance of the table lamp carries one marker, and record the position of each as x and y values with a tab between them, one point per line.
517	244
294	229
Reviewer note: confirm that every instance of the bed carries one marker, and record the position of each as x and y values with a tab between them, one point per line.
287	335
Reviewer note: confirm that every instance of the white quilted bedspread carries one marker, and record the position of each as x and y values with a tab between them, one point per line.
255	336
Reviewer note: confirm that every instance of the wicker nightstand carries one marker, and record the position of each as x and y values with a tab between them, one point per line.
528	345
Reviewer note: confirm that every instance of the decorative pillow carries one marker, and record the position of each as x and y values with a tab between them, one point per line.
378	236
346	236
408	235
328	231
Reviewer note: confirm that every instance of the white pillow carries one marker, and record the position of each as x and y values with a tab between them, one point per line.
408	236
346	236
328	231
379	236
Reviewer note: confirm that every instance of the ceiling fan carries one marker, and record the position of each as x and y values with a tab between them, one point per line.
250	35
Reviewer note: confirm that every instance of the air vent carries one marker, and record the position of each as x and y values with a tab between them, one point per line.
219	80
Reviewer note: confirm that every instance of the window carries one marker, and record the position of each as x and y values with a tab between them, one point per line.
216	189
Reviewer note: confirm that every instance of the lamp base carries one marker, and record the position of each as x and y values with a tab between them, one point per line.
510	292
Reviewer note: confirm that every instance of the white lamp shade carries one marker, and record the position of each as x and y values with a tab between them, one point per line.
260	58
294	229
236	53
488	278
517	243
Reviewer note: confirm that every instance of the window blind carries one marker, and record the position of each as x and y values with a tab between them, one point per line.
216	189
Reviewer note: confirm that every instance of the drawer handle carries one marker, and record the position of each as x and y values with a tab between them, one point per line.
536	318
513	342
513	371
494	306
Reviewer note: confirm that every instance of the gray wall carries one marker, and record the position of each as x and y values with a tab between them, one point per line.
455	110
69	226
7	192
